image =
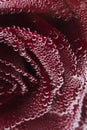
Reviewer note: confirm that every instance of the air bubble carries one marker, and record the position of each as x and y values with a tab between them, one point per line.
15	49
63	11
53	50
40	39
73	67
60	46
56	52
55	35
7	64
50	42
34	38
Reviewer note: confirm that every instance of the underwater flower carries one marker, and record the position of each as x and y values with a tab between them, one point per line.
43	65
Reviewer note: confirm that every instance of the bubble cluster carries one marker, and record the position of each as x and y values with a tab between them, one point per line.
43	64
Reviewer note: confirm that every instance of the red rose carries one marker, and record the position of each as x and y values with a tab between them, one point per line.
43	65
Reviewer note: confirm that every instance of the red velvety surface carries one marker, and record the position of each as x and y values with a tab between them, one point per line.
43	65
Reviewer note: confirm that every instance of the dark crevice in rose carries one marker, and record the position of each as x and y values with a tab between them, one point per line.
29	67
32	86
14	19
15	57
